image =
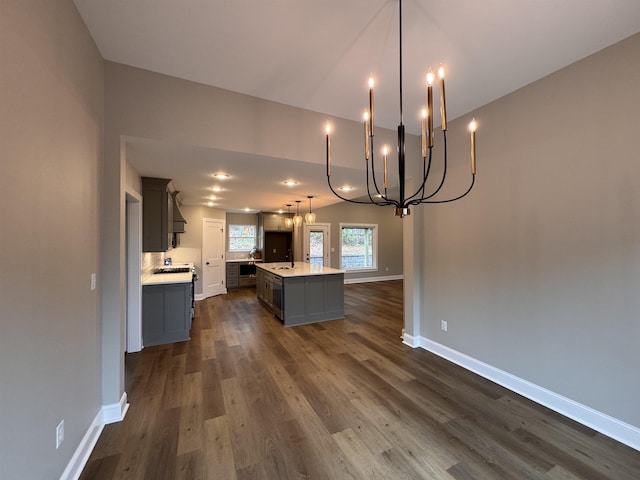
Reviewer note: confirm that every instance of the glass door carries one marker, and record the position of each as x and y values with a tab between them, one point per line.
316	244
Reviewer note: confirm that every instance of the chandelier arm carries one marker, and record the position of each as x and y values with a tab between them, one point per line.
371	201
374	182
384	197
426	169
473	181
375	185
444	169
344	198
373	172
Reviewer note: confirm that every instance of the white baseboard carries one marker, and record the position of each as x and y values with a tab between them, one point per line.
410	340
115	412
372	279
107	414
82	453
601	422
199	296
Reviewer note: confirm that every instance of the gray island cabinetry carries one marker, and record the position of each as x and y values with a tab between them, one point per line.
302	294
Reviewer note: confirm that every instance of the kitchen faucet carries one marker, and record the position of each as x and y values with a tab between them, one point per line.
290	255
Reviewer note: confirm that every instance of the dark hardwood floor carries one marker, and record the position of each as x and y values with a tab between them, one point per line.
247	398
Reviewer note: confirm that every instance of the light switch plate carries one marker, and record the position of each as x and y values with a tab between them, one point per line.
59	434
93	281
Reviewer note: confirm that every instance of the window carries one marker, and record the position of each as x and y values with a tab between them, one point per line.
242	238
358	247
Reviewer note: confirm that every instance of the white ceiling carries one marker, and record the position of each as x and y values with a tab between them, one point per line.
318	55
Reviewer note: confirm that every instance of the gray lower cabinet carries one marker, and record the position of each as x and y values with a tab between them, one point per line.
166	313
235	276
305	299
312	299
264	286
232	275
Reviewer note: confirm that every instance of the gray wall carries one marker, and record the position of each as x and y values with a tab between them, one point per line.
538	271
389	235
51	104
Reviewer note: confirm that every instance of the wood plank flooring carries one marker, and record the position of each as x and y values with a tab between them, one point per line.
247	398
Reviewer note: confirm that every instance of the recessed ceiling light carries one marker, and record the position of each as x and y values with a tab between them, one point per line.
217	189
221	176
290	183
213	197
247	209
210	204
345	188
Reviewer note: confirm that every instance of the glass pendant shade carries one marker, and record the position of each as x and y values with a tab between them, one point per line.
297	219
310	217
288	222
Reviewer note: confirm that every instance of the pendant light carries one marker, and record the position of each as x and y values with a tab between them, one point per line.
288	222
297	219
310	217
377	192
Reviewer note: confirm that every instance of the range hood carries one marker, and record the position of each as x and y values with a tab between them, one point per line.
178	220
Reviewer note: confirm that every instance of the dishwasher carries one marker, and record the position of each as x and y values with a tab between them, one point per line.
276	296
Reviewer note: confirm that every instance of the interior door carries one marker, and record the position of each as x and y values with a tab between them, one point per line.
213	261
316	248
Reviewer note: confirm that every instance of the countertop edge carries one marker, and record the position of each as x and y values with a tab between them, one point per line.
306	270
166	278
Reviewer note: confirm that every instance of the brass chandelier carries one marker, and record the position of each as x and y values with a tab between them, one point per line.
380	196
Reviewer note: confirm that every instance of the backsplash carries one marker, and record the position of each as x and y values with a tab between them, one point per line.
151	261
237	255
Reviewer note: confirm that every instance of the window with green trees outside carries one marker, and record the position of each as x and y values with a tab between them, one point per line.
358	247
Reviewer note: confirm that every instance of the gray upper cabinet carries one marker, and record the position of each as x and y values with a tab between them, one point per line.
274	222
157	215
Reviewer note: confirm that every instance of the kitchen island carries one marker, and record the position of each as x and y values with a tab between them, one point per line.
301	294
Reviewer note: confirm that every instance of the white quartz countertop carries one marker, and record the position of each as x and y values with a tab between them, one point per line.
300	269
245	260
167	278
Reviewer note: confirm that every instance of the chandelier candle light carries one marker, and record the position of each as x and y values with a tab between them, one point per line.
402	203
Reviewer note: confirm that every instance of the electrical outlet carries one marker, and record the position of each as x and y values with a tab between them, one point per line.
444	325
59	434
